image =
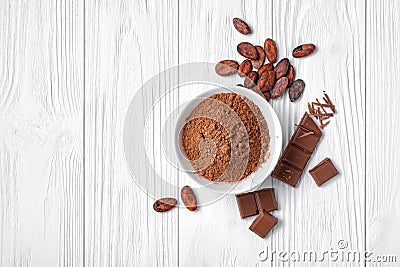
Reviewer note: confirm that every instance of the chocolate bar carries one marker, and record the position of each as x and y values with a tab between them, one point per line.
252	203
263	224
295	157
324	171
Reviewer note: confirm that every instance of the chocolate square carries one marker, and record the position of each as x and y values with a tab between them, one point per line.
305	139
308	123
265	199
247	205
287	173
263	224
324	171
295	156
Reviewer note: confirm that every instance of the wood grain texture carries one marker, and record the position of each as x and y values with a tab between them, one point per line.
127	42
41	115
383	157
69	70
317	218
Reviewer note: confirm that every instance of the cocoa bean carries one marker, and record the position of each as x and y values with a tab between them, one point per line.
280	87
266	81
251	80
247	50
244	68
303	50
296	90
270	50
189	198
164	204
290	75
265	67
241	26
282	68
226	67
257	63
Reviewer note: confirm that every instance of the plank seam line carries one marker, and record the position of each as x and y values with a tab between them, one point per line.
365	129
83	139
178	58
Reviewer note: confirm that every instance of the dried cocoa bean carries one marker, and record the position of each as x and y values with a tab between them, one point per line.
251	79
266	81
247	50
303	50
164	204
226	67
280	87
241	26
265	67
296	90
189	198
290	75
282	68
244	68
270	50
257	63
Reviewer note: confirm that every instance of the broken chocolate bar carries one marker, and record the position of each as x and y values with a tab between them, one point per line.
295	157
252	203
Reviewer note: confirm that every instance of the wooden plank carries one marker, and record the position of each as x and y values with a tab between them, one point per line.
41	138
317	218
215	235
382	157
127	42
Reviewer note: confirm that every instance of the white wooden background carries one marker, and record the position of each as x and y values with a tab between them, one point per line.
68	71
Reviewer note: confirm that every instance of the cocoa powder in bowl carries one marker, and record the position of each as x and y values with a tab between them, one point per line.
226	138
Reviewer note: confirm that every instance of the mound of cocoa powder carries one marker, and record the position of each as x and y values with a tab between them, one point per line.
226	138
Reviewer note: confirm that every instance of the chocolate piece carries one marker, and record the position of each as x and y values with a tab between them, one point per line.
294	158
324	171
263	224
305	139
287	173
247	204
308	123
265	199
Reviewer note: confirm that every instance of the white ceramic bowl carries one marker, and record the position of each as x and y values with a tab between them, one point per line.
256	178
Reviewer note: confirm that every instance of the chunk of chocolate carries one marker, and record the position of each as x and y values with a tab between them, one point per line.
247	205
265	199
324	171
308	123
305	139
263	224
287	173
295	156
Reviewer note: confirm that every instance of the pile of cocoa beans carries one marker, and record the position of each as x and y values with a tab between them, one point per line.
267	79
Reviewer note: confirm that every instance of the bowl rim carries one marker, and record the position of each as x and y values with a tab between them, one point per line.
276	134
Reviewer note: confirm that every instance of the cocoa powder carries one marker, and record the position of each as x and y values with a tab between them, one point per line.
226	138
